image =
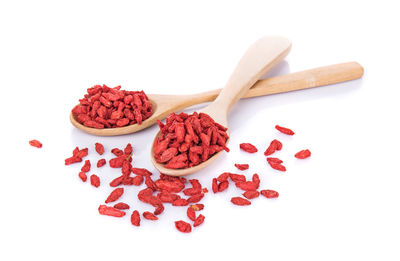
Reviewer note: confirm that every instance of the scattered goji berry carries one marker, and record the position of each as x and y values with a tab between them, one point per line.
95	180
150	216
214	185
128	149
223	177
183	226
110	211
101	163
143	172
240	201
181	202
191	213
117	181
251	194
82	176
135	218
273	146
99	148
269	193
237	177
284	130
197	207
121	205
303	154
86	166
199	220
114	195
223	186
279	167
248	147
195	198
242	166
274	160
35	143
246	185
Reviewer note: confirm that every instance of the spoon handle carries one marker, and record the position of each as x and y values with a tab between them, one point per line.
258	59
311	78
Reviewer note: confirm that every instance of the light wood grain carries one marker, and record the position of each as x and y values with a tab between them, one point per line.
258	59
163	105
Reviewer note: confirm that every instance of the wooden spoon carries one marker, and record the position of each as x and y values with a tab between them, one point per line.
258	59
163	105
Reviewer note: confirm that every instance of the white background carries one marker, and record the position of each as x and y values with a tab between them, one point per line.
341	204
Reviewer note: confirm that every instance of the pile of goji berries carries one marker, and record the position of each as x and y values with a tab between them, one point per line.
175	190
187	140
105	107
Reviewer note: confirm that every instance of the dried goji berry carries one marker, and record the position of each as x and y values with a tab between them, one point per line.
143	172
199	220
247	185
135	218
150	216
248	147
114	195
197	207
242	166
86	166
303	154
167	197
110	211
240	201
121	205
117	181
82	176
269	193
223	177
101	163
35	143
274	160
95	180
195	198
181	202
170	186
138	180
99	148
273	146
183	226
214	185
223	186
256	180
117	152
237	177
191	213
279	167
284	130
128	149
251	194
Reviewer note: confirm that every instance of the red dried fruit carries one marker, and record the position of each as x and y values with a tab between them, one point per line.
117	181
195	198
99	147
223	177
170	186
143	172
248	147
103	106
187	140
214	185
101	163
114	195
135	218
95	180
237	177
117	162
256	180
279	167
251	194
110	211
167	197
240	201
191	213
242	166
284	130
205	190
199	220
35	143
273	146
128	149
303	154
81	153
72	160
117	152
269	193
150	216
121	205
138	180
223	186
86	166
82	176
183	226
274	160
181	202
247	185
197	207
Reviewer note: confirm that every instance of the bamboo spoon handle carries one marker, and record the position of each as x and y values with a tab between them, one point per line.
258	59
311	78
307	79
